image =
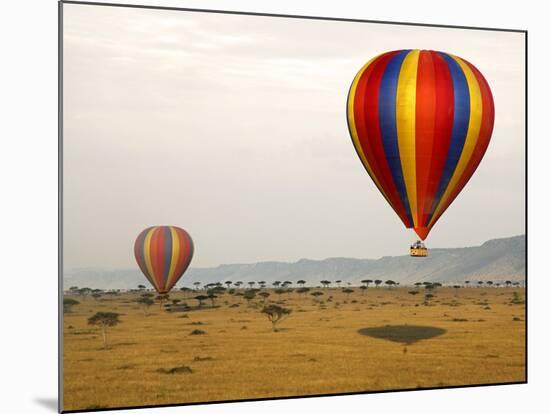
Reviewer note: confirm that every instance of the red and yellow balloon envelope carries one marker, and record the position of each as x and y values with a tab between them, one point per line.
163	254
420	122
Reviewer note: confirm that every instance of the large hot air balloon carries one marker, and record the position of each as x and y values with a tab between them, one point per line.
420	121
163	254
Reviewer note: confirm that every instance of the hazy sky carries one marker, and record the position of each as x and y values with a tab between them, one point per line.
234	128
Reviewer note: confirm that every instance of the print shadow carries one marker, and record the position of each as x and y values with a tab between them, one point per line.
405	334
48	403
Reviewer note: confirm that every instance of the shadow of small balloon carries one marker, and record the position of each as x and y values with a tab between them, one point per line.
49	403
405	334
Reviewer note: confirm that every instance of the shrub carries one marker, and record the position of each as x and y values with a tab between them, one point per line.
183	369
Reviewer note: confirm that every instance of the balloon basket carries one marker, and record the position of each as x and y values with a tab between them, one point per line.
418	249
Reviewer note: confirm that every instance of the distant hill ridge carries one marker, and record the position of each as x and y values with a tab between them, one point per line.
497	259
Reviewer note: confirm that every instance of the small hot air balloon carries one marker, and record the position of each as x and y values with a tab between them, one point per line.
420	121
163	254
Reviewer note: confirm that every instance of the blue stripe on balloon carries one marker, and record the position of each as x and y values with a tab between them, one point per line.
191	249
167	253
388	126
461	119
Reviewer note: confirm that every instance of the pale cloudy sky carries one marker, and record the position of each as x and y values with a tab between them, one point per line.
234	128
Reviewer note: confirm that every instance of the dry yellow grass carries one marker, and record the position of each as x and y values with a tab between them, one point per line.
316	351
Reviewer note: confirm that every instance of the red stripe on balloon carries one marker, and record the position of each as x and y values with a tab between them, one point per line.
157	256
424	129
368	130
443	126
359	116
484	137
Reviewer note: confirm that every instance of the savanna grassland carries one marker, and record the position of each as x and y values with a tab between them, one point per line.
337	342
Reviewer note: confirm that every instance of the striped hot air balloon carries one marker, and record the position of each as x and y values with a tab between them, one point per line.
163	254
420	121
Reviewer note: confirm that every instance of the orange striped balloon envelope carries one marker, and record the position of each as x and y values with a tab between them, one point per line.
420	122
163	254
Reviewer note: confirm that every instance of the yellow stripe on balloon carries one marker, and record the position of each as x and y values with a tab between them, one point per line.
353	127
174	258
147	256
474	125
406	126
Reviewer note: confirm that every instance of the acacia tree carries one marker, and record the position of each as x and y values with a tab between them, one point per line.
83	292
316	295
303	290
390	283
456	287
197	284
427	298
249	295
162	298
275	314
348	292
279	291
508	283
228	283
212	298
146	302
184	290
214	292
301	283
366	282
104	320
264	295
141	287
326	283
413	292
363	289
68	304
338	282
201	299
377	282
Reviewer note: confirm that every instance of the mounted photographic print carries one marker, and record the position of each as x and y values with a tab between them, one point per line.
261	206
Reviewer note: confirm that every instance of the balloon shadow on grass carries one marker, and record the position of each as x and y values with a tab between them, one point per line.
405	334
